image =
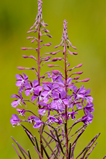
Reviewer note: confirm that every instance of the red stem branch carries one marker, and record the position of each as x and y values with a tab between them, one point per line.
39	84
66	114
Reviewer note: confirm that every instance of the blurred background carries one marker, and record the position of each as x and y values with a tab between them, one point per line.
86	30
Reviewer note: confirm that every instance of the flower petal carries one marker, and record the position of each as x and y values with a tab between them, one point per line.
15	103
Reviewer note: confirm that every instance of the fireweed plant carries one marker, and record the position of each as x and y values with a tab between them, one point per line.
55	97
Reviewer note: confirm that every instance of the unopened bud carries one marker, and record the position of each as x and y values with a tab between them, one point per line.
47	58
74	47
85	80
54	59
79	72
68	65
49	35
60	58
29	31
25	56
76	78
29	37
48	44
32	40
42	76
79	65
45	82
56	72
50	65
45	30
75	53
71	53
41	40
24	48
21	68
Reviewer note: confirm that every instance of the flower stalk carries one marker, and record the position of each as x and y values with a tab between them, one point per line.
66	114
55	95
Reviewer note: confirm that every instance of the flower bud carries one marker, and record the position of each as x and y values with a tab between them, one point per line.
25	56
54	59
21	68
79	72
76	78
75	53
50	65
79	65
45	30
49	35
24	48
56	72
86	80
45	82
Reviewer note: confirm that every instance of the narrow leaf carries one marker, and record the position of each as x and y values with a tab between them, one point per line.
89	145
22	152
29	154
50	135
59	141
70	151
17	151
20	146
75	141
43	127
38	153
45	152
30	138
91	150
37	144
49	146
29	134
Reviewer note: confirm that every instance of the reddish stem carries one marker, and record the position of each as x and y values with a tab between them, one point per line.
39	84
66	115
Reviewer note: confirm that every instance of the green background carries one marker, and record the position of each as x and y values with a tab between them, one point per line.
86	30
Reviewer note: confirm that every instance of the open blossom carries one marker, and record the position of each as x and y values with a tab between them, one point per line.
52	119
59	101
36	93
15	120
30	87
35	121
19	100
47	92
89	108
21	80
87	118
81	93
21	111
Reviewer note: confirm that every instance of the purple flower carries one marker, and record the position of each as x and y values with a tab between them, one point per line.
87	118
72	114
60	121
19	100
30	87
21	80
59	101
52	119
42	112
21	111
35	121
81	93
15	120
37	93
48	91
89	108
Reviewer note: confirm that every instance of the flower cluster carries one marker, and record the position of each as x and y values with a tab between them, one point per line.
54	93
52	97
